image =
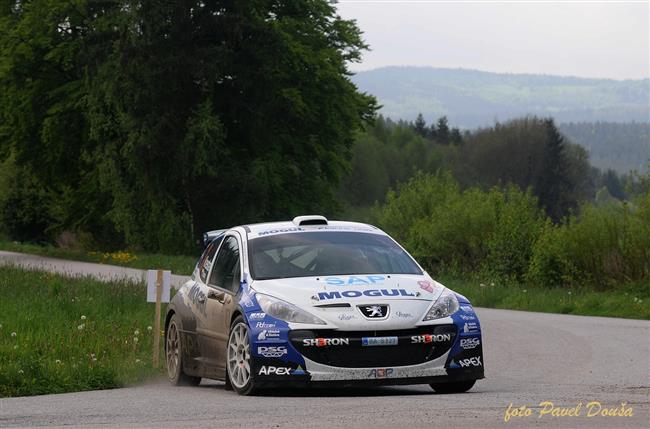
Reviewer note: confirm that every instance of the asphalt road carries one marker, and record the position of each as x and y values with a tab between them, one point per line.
529	358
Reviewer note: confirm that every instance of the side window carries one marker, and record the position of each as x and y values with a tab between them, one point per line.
226	271
208	256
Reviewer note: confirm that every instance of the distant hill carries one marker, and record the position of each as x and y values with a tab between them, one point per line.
471	98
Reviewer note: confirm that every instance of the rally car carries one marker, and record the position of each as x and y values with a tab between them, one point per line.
318	302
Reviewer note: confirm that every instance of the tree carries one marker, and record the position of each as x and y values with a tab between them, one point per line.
553	187
528	152
613	184
420	125
442	133
455	136
182	116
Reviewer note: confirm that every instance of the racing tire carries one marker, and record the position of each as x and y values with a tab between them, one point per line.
174	357
457	387
239	362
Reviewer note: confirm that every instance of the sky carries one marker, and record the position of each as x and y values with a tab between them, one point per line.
569	38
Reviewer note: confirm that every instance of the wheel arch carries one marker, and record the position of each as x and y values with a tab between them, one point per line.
236	313
168	318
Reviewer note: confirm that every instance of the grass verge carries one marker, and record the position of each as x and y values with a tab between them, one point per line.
178	264
631	302
60	334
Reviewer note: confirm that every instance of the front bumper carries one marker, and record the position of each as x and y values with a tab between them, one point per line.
441	359
452	377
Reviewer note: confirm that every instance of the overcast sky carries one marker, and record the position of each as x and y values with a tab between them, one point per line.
589	39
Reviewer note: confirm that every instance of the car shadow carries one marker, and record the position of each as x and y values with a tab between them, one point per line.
315	391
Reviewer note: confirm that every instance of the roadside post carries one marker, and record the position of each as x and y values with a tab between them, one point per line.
158	289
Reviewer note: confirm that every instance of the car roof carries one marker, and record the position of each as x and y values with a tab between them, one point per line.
273	228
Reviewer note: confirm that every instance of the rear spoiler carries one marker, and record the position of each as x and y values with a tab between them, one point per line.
211	235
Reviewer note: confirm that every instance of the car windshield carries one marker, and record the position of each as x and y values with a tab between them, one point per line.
308	254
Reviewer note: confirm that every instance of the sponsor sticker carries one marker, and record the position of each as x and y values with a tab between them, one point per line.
268	333
430	338
346	317
256	316
272	351
298	371
274	370
324	342
381	372
264	325
473	361
466	318
403	315
470	327
426	285
396	293
354	280
467	308
469	343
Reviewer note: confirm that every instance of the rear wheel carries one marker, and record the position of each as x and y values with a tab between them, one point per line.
457	387
174	357
240	363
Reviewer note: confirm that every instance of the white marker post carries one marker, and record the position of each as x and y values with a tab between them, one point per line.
158	290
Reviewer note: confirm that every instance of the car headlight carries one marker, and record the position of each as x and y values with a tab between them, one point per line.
445	305
284	311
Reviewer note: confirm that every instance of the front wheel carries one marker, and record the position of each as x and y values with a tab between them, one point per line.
457	387
240	363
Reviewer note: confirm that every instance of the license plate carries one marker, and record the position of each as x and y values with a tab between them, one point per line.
379	341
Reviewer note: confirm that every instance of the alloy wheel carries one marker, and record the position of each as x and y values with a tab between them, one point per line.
239	358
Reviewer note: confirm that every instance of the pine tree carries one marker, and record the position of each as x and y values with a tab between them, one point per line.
443	130
420	125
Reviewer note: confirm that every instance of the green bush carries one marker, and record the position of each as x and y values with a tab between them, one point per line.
464	231
602	247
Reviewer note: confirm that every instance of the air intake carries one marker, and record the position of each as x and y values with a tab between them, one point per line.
309	220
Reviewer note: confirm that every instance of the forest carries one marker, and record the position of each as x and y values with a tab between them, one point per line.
142	124
622	147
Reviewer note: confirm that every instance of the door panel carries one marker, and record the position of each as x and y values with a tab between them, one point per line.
220	303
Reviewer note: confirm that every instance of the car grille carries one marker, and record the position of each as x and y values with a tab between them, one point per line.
345	348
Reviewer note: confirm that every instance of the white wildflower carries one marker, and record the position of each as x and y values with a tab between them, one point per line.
83	317
81	327
136	333
13	334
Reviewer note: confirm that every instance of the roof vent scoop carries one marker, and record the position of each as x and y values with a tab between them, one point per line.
309	220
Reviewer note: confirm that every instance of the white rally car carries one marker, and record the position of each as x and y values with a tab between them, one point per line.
318	302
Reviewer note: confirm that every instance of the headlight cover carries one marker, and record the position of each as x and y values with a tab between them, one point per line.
445	305
284	311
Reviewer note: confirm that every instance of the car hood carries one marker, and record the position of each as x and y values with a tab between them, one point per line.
338	300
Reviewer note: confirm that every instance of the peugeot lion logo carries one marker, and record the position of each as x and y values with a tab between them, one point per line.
374	311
